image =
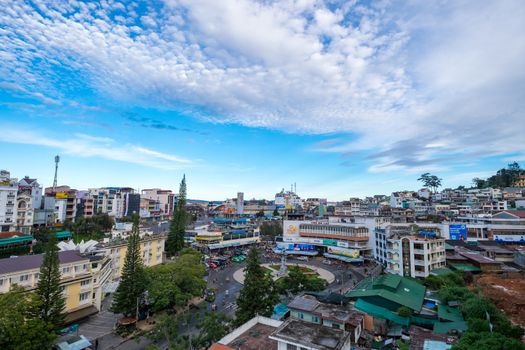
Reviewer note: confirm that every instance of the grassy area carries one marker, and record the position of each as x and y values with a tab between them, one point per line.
303	269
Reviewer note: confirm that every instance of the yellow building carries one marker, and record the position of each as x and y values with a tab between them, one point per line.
520	182
151	247
82	279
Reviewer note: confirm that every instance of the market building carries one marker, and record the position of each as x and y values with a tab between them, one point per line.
348	242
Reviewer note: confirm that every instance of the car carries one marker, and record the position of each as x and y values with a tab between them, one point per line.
327	262
303	258
239	258
212	265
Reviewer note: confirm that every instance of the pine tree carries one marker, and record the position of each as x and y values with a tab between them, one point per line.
50	300
130	291
175	241
258	295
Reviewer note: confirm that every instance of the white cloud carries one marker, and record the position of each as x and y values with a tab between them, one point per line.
418	83
83	145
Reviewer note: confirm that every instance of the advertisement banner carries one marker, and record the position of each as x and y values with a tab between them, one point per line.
342	244
330	242
61	195
458	232
352	253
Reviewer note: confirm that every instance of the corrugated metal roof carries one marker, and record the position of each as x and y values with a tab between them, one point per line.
408	293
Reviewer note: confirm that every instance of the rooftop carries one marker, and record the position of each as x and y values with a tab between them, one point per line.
423	339
304	302
253	335
311	335
29	262
397	289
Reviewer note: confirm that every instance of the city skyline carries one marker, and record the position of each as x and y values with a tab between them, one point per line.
344	99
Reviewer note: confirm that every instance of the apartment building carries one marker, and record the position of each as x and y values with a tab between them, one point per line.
151	247
415	255
160	202
28	202
8	207
82	279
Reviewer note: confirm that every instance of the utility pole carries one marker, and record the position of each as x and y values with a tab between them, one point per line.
57	160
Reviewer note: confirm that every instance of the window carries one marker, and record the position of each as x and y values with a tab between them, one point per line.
66	269
37	276
84	296
84	267
301	315
290	347
315	319
1	282
24	278
85	283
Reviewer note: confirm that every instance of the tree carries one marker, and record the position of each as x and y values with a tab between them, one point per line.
478	183
51	303
258	295
130	292
487	341
275	212
404	311
20	327
175	241
431	182
174	284
213	327
259	214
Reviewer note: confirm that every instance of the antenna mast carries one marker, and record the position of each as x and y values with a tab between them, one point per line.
57	160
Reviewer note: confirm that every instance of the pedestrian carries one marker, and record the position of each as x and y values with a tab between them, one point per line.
96	344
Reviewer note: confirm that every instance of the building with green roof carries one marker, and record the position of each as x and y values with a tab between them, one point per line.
390	292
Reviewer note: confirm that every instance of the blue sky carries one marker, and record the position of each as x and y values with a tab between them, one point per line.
343	98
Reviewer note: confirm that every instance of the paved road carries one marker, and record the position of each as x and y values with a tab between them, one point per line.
100	325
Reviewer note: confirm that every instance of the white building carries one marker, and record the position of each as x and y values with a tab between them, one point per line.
401	199
8	207
164	201
240	203
287	200
415	255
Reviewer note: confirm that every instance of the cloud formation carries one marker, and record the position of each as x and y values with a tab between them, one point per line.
82	145
417	83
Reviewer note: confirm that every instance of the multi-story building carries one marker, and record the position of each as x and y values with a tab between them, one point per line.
8	207
343	241
240	203
288	200
415	255
151	247
401	199
29	200
82	279
25	212
164	201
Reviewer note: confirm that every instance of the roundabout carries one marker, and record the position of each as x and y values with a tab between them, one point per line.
276	272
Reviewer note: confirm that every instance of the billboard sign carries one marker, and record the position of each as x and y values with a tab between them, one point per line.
330	242
352	253
342	244
61	195
457	232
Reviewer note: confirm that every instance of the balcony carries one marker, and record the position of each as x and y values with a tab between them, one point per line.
420	274
11	196
419	262
9	204
418	251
